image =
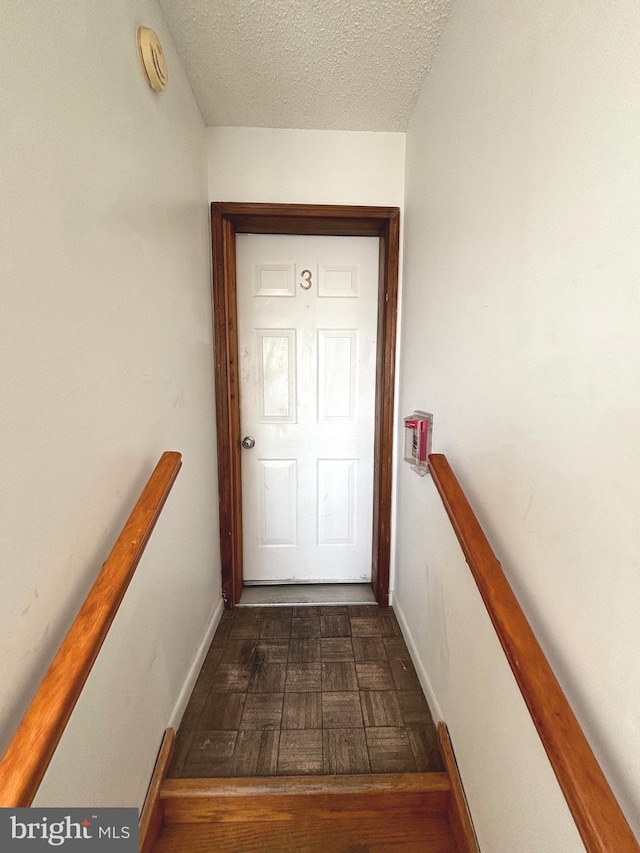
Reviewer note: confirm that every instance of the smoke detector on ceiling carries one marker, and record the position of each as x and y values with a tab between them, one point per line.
152	59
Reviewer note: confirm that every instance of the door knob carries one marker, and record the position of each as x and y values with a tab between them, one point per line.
248	442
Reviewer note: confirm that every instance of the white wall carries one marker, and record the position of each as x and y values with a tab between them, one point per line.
106	353
521	317
515	801
305	166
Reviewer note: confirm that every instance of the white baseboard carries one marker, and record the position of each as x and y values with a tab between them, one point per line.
434	706
196	666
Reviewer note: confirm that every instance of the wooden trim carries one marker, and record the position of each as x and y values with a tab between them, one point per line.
316	219
459	815
228	219
152	817
600	821
383	438
29	753
227	405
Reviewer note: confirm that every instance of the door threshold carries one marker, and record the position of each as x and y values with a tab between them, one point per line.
285	595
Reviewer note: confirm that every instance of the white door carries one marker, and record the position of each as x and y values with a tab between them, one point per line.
307	316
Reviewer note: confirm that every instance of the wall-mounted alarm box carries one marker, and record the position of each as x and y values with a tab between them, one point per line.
418	429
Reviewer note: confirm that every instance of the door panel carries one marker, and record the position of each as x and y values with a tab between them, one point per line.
337	372
336	501
276	362
307	309
277	502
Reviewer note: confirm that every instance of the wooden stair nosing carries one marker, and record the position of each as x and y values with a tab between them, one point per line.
281	799
267	785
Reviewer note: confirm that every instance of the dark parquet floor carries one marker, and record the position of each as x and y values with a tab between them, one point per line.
288	691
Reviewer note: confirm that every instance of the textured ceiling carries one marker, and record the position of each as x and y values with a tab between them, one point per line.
321	64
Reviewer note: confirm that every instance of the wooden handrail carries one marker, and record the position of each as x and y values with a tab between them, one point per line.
29	753
598	817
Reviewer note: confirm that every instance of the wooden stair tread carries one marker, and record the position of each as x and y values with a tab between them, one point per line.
373	813
386	833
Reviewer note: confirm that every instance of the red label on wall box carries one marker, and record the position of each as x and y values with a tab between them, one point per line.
417	438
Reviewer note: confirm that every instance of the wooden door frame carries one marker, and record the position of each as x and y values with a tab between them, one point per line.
229	219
